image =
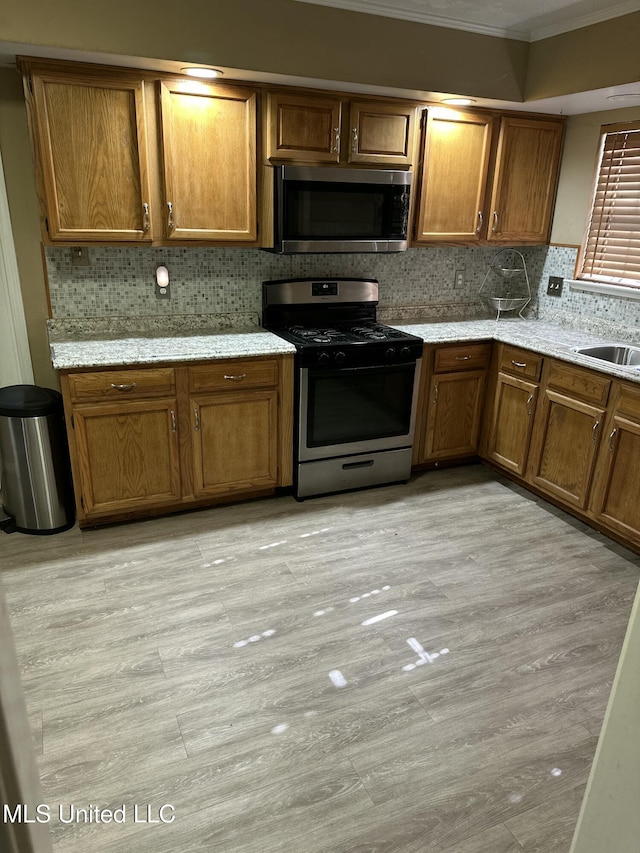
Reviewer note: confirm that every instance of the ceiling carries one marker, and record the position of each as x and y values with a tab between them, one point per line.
503	18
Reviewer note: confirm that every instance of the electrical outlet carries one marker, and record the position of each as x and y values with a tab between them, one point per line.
162	292
554	287
80	256
459	279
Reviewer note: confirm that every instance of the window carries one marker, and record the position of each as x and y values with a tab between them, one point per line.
611	248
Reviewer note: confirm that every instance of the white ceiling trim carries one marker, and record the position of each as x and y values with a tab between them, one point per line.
389	10
616	11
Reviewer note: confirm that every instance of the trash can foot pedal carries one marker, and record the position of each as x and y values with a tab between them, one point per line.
7	522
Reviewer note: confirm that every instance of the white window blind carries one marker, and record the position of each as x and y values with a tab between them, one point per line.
611	250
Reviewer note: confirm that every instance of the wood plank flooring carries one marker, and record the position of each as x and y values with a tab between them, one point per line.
412	668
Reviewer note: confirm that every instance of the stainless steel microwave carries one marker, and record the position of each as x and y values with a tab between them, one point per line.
327	209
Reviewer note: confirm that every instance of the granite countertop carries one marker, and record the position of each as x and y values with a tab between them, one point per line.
85	346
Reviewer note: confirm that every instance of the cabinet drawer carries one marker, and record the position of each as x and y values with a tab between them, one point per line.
465	357
520	362
629	401
122	384
227	375
579	383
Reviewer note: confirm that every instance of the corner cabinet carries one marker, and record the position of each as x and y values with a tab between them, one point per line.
90	139
321	128
487	179
209	162
149	440
453	401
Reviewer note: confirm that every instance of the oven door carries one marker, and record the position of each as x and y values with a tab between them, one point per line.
356	410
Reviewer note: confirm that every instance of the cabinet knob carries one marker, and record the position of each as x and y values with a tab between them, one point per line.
529	402
480	221
594	432
336	140
145	210
170	224
354	142
196	418
495	221
611	438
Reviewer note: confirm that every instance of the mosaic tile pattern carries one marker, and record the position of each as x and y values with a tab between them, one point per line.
119	282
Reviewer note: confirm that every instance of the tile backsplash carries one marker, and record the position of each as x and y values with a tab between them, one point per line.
119	282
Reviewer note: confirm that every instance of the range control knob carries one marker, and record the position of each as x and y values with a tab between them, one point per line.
323	358
340	357
405	352
390	353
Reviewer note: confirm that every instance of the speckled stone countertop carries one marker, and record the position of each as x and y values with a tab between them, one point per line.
116	343
84	344
544	338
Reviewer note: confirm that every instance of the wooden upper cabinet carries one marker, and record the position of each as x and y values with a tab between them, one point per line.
312	128
524	180
381	133
90	136
304	127
457	148
209	157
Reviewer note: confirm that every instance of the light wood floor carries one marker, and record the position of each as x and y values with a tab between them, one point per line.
411	668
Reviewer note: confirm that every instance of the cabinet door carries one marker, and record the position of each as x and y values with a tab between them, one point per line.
455	408
457	146
91	138
209	147
616	501
567	437
512	422
304	128
524	182
127	455
381	133
235	441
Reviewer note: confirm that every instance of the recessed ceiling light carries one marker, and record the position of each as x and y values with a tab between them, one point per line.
459	102
202	73
624	96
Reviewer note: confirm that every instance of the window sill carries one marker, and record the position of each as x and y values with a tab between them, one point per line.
607	289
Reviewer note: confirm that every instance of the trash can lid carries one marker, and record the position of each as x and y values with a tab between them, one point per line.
29	401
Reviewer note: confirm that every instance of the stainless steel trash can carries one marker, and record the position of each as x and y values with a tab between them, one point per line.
37	493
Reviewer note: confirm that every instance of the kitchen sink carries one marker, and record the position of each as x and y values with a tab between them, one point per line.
622	354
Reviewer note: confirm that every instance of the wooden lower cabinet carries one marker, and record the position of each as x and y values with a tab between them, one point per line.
511	423
235	442
455	408
220	431
616	493
127	455
566	441
453	399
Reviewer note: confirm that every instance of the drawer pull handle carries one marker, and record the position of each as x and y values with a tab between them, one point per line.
129	386
462	358
480	221
435	395
173	421
495	221
611	437
145	211
170	224
518	363
594	432
354	144
196	417
238	378
529	402
336	140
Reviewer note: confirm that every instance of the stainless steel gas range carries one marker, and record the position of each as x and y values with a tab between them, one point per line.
356	383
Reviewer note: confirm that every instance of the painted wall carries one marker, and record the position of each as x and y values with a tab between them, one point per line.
281	37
